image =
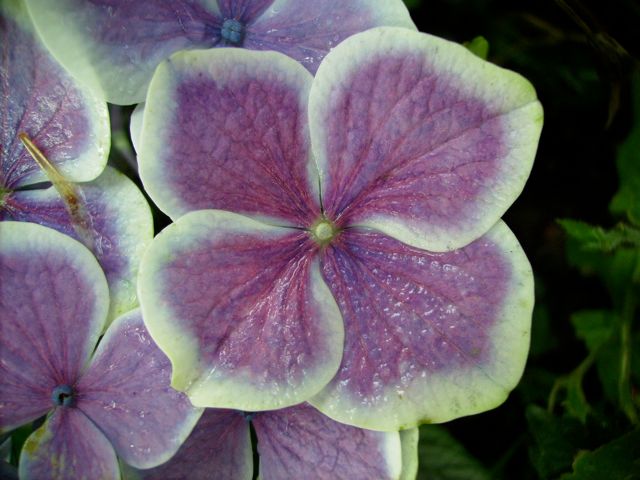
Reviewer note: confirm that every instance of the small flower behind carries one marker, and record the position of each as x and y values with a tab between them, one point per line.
115	400
292	443
115	45
54	134
337	239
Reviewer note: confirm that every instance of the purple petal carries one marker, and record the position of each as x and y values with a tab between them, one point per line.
115	45
307	29
243	10
428	336
241	310
417	137
53	304
68	443
120	227
219	443
66	122
126	393
251	154
300	442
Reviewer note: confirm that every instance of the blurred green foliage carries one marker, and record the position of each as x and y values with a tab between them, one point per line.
576	413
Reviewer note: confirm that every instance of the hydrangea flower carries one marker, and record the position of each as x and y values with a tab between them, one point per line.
296	442
67	129
116	400
116	45
353	255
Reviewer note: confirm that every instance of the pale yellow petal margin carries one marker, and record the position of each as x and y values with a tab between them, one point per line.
32	239
217	387
435	398
134	225
409	440
92	161
223	66
505	92
393	453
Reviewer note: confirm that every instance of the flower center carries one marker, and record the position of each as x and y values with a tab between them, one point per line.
248	416
62	396
232	31
323	231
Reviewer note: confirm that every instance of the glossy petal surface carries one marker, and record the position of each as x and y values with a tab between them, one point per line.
115	46
68	443
219	443
53	304
241	310
300	442
417	137
38	98
429	337
306	30
126	393
120	227
234	125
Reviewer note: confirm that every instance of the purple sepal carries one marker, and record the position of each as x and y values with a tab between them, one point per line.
244	11
250	156
306	30
116	45
41	100
219	447
53	301
68	445
301	442
126	392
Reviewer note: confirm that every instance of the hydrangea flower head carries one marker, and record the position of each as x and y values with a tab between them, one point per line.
117	400
337	238
116	45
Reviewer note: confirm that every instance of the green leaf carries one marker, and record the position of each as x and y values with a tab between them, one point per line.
617	270
591	237
442	457
18	437
594	327
479	46
598	329
556	440
576	402
412	3
619	459
627	200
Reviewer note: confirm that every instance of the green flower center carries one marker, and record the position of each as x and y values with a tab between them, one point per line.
323	231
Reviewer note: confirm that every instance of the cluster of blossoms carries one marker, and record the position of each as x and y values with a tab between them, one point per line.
336	272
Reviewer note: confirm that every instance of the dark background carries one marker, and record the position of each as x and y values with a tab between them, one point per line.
580	56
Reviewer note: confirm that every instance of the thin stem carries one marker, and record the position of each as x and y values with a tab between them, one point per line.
564	381
624	381
72	198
